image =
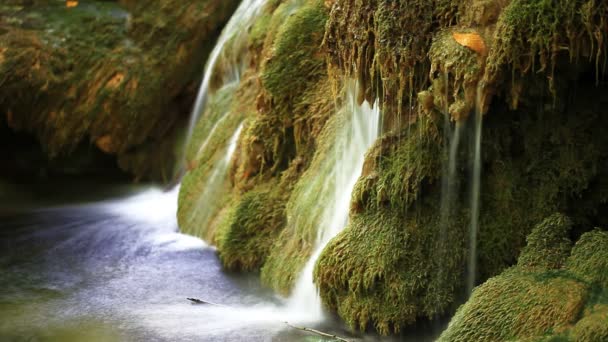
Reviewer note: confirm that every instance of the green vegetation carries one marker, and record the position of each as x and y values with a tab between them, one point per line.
525	303
97	72
400	260
533	35
122	77
287	103
548	245
589	258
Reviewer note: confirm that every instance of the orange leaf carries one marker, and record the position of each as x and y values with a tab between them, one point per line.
471	40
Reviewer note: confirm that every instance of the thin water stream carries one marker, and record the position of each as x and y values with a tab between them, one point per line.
475	194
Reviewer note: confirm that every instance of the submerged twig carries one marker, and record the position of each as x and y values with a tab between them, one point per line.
314	331
318	332
202	302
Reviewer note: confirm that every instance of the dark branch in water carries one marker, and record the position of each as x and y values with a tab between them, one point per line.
314	331
320	333
202	302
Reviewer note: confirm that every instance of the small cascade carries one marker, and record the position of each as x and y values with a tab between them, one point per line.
359	132
475	194
230	50
214	184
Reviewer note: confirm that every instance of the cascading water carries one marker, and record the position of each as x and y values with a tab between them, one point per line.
359	132
230	49
214	183
475	194
226	63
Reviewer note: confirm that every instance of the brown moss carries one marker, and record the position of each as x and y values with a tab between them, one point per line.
125	83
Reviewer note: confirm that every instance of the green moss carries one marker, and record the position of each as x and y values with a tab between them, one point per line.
593	327
589	258
532	302
288	100
384	44
531	34
291	70
219	109
251	227
377	271
548	245
294	60
402	166
518	305
206	189
455	73
294	245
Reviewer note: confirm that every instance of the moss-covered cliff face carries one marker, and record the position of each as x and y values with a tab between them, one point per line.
536	70
119	77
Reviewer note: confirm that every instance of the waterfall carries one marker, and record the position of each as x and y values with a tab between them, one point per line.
354	138
214	183
230	49
475	194
225	66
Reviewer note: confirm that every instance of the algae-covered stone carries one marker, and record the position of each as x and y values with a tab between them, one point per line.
286	99
382	270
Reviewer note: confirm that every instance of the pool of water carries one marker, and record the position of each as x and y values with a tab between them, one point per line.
118	270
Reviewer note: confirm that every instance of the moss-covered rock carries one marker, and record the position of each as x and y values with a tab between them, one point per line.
518	305
121	79
377	271
548	245
525	303
593	327
535	163
589	259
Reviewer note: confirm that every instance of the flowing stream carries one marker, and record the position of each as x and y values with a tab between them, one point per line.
118	270
359	132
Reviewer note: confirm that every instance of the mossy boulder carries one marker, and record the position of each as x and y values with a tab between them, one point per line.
589	259
535	163
121	79
251	227
518	305
548	245
537	303
593	327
